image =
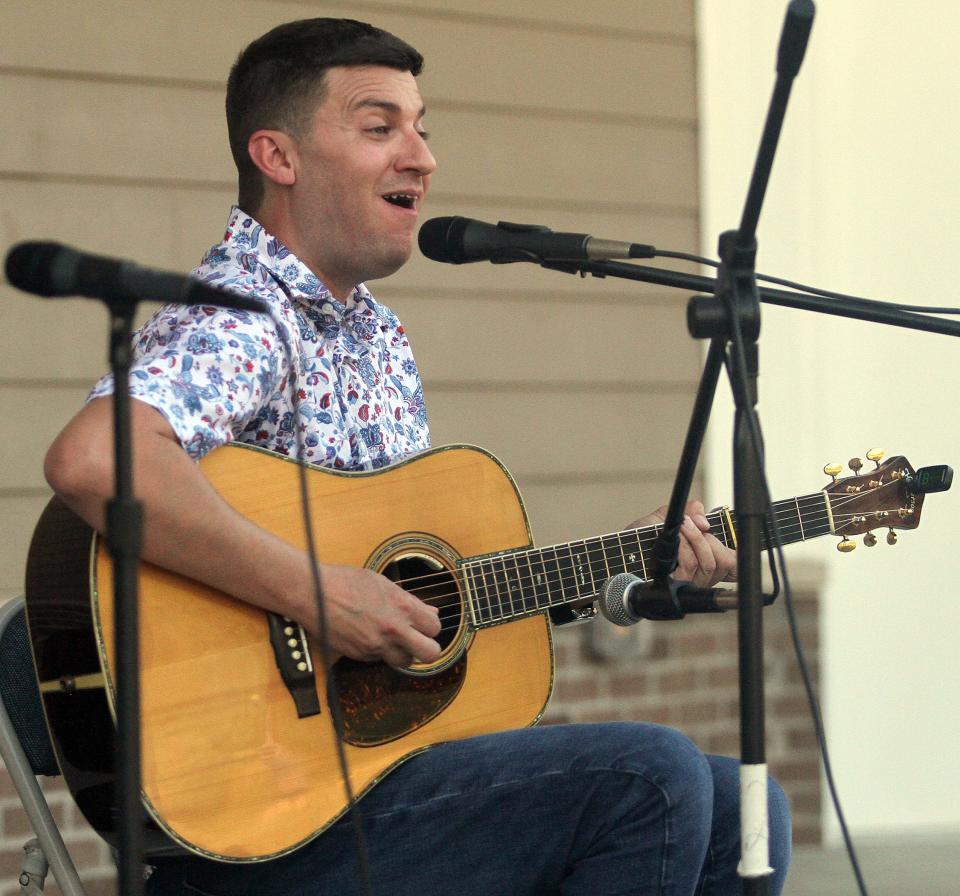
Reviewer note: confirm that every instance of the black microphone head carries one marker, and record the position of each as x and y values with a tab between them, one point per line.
441	239
29	266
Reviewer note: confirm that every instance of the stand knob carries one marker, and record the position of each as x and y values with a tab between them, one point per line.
833	470
869	539
876	455
855	464
846	546
891	537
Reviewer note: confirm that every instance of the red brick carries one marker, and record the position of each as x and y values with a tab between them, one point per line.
628	685
805	802
703	711
676	682
789	706
577	690
806	834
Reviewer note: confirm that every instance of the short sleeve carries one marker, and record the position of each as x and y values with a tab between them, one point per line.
209	371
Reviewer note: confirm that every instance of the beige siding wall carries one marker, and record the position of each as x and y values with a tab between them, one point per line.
114	141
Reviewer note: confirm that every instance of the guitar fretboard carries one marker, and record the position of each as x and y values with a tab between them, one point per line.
518	583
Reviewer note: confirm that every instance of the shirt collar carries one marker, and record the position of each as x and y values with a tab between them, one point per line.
248	235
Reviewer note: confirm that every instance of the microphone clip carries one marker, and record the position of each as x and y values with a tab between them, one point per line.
665	598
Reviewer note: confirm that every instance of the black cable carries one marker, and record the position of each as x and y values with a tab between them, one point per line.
739	372
326	654
826	293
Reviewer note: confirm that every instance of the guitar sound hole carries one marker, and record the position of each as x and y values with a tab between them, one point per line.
426	579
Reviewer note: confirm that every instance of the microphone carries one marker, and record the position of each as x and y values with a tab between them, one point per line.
51	269
459	240
626	599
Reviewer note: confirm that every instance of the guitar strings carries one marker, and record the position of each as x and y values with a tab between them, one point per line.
786	510
450	601
597	550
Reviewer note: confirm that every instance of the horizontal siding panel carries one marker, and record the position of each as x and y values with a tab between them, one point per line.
648	16
171	225
18	516
171	228
37	414
121	130
572	71
112	130
494	339
564	432
564	511
528	339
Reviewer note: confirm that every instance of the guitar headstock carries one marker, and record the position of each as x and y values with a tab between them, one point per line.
890	496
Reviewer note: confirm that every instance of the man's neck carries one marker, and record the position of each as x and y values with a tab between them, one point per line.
281	225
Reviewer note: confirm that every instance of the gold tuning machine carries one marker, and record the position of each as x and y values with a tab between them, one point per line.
846	546
869	539
833	470
876	455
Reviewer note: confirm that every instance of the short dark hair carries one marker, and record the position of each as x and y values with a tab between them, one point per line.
278	81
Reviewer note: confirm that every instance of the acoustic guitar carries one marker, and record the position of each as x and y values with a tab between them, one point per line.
239	747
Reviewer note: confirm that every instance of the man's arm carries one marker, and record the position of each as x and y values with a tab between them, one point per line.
191	530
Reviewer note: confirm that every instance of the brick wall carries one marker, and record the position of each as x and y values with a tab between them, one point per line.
686	678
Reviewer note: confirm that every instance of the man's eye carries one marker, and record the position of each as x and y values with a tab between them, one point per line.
379	129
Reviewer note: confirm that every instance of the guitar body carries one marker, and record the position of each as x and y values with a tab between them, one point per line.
229	769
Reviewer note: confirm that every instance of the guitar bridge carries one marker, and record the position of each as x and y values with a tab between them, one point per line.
292	653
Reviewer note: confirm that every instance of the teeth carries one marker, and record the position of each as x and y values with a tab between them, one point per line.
400	199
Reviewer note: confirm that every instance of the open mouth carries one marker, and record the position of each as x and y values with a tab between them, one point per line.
403	200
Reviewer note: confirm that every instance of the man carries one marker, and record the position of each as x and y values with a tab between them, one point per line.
326	128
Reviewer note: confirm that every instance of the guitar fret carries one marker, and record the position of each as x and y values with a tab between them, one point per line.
503	579
599	567
517	583
471	584
538	577
553	576
721	521
493	590
635	560
580	569
623	556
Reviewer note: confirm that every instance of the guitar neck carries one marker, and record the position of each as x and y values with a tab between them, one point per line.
513	584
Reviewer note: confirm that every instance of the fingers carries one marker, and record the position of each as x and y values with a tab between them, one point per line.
370	618
702	559
697	562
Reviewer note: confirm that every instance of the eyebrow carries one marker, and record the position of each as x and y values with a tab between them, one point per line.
386	105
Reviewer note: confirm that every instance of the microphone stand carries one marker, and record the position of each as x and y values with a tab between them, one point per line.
125	538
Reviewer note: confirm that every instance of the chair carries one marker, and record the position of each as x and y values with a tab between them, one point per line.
27	751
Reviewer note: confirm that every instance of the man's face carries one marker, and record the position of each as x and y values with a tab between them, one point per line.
363	172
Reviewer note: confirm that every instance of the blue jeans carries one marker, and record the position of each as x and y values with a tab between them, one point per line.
597	810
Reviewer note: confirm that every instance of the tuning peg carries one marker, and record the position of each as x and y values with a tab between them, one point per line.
869	539
833	470
846	546
891	537
876	455
855	464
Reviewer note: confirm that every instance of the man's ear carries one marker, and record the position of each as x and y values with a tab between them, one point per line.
274	153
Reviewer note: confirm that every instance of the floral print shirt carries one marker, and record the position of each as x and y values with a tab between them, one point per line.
219	375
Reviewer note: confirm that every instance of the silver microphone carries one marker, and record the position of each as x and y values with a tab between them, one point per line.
615	600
